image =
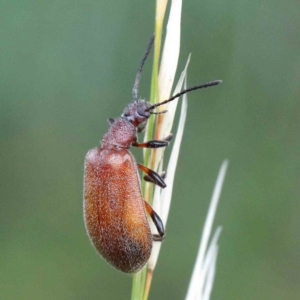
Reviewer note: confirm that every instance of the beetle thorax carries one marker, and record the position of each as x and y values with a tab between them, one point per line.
121	134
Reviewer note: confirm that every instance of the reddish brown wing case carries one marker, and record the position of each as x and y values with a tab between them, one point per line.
114	211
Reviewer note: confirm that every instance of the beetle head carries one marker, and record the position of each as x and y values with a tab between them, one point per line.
137	112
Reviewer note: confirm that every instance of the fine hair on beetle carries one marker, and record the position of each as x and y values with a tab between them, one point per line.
114	209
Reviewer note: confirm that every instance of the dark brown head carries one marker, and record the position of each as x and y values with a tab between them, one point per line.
137	112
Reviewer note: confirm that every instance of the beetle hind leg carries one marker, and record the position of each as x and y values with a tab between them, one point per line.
157	222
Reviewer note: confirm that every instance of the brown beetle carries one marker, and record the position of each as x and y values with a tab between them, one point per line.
114	210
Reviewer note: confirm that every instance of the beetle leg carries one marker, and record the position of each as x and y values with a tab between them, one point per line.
110	121
157	222
157	238
151	144
154	143
155	178
141	127
162	176
169	137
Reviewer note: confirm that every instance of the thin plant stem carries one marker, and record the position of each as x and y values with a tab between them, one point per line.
142	280
148	283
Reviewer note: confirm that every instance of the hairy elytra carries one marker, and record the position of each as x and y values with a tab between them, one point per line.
114	210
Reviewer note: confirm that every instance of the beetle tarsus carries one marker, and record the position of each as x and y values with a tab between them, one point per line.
157	238
169	137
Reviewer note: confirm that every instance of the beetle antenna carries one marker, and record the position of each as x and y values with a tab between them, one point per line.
139	71
201	86
158	113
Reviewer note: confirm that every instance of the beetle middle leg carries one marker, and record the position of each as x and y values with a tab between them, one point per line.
157	222
154	177
163	176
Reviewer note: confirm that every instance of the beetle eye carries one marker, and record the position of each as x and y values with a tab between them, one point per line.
143	113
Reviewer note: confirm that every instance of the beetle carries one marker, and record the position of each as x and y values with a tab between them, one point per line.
114	210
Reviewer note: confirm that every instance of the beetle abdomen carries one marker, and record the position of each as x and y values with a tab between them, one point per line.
114	211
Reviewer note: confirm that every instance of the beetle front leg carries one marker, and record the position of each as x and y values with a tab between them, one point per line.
157	222
155	178
151	144
154	143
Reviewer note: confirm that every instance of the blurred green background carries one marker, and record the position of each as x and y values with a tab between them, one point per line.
67	66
